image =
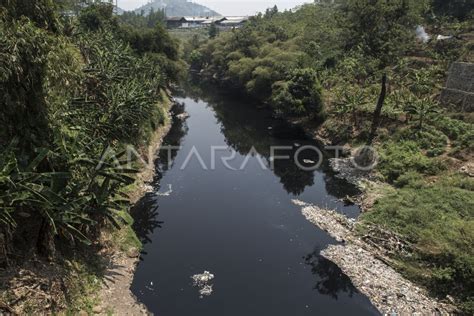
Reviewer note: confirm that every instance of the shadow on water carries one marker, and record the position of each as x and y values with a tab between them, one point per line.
145	211
331	280
241	226
246	129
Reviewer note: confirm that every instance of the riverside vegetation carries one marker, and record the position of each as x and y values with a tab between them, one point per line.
321	65
72	87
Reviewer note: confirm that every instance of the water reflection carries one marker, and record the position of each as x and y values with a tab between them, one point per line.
330	278
145	217
245	128
240	226
145	211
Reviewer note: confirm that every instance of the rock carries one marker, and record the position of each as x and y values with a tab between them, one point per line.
133	252
82	313
182	116
97	309
346	150
467	169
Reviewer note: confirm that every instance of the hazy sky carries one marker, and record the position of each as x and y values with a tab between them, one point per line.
228	7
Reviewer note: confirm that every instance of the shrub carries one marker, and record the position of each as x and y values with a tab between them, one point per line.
439	220
97	16
453	128
397	158
429	139
299	94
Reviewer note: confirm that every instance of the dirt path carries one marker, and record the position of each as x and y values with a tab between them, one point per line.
388	291
116	297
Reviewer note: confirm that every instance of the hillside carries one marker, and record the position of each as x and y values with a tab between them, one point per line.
178	8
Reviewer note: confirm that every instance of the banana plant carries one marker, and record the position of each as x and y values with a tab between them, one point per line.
350	101
421	109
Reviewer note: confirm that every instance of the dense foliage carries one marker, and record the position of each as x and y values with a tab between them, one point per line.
73	90
325	61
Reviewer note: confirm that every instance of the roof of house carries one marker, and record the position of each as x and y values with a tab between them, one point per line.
213	19
232	20
175	18
196	18
236	18
228	20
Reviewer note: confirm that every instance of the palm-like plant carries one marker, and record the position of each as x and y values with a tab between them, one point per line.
350	101
421	109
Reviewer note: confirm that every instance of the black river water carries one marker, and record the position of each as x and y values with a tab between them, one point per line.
240	225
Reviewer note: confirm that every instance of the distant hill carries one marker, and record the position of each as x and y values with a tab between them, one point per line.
178	8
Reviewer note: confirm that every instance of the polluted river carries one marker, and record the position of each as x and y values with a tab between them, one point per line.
222	204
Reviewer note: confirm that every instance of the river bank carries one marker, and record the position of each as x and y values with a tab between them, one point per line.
87	279
366	265
382	265
115	295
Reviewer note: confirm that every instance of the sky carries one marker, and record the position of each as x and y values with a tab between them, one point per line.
228	7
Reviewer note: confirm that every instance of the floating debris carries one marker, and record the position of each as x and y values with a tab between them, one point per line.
443	37
309	161
182	116
167	193
148	188
201	281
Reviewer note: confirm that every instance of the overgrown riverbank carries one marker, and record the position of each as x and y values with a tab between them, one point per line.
322	65
364	259
78	93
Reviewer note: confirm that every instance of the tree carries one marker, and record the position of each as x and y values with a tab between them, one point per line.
459	9
382	28
213	30
350	102
378	111
421	108
97	16
299	94
271	12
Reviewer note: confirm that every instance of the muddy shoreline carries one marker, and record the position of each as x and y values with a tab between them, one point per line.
368	268
115	295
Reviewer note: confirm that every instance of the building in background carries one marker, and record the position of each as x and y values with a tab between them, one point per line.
187	22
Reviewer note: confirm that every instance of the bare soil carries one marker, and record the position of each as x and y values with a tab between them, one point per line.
115	296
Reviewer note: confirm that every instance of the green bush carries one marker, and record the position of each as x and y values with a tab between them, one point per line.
410	179
67	102
397	158
299	94
439	220
429	139
453	128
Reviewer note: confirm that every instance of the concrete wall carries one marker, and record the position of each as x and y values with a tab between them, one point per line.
458	94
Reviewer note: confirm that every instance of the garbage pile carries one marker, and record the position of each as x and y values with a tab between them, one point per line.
201	281
368	267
